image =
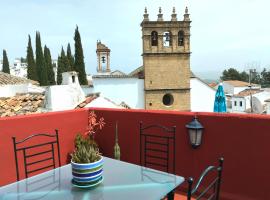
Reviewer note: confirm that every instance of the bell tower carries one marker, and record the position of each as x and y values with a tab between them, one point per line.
166	61
103	58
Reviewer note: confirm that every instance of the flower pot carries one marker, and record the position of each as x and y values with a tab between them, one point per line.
87	174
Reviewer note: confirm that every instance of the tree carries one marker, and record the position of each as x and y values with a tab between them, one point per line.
40	62
31	65
59	70
65	61
5	68
230	74
79	58
265	78
49	66
70	58
63	66
244	76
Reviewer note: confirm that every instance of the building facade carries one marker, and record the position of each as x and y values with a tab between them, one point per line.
166	61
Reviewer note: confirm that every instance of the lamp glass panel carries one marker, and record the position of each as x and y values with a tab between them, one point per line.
198	136
192	136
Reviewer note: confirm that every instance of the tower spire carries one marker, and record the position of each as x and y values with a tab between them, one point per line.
186	15
160	15
174	15
145	16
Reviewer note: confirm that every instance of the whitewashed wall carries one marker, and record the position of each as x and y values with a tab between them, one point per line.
63	97
12	90
202	96
129	90
236	104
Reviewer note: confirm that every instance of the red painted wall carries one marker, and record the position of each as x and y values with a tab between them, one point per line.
241	139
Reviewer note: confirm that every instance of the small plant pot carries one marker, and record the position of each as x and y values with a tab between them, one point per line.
87	174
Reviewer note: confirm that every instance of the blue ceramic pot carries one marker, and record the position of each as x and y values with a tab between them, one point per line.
87	174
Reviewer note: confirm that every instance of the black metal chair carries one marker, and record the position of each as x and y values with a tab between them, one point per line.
214	184
156	144
33	154
157	148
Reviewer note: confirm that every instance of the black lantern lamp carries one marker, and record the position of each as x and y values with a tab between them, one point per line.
195	130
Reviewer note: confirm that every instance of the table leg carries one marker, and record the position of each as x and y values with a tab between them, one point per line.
171	195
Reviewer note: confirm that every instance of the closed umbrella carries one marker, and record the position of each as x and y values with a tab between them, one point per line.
220	100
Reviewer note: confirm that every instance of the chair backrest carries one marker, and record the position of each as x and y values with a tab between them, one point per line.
157	146
210	191
38	156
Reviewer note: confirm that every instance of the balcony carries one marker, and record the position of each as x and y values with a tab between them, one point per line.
243	140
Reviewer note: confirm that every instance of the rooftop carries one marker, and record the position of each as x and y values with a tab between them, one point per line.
7	79
21	104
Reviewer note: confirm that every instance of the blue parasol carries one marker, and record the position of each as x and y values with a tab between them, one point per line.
220	100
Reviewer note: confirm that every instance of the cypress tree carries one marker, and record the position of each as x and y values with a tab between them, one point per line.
59	70
31	65
5	63
65	62
49	66
79	58
40	63
70	58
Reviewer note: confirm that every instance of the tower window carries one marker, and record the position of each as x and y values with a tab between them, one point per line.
180	38
154	38
167	99
167	39
103	59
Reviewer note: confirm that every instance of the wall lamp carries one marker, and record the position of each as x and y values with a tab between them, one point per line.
195	131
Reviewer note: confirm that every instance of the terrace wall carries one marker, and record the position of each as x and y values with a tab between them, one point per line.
241	139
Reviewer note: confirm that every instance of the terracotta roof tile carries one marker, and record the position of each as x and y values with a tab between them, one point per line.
247	92
237	83
7	79
21	104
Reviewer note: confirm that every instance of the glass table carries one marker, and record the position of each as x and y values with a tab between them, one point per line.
122	180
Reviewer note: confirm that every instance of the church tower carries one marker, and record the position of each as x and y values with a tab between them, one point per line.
103	58
166	61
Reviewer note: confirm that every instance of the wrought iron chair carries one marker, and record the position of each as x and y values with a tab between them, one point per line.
214	184
34	157
157	148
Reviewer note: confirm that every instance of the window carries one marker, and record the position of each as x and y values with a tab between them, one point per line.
154	38
180	38
167	99
241	103
167	39
103	59
73	79
235	103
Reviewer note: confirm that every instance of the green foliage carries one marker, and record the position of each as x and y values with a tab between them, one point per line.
40	62
265	78
63	66
86	150
49	66
230	74
31	65
5	67
233	74
79	58
70	58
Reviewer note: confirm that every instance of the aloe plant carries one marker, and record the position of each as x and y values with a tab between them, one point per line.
86	150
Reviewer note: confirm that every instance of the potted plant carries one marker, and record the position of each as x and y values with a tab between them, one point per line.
86	160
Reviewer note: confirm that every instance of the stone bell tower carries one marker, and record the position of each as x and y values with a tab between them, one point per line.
166	61
103	58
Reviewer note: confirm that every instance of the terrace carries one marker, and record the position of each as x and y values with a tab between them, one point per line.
243	140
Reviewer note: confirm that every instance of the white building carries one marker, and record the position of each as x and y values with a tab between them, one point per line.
19	68
66	96
240	103
232	87
11	85
202	96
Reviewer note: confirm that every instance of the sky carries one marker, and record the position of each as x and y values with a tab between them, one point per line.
224	33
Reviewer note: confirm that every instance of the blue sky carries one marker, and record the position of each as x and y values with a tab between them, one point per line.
224	33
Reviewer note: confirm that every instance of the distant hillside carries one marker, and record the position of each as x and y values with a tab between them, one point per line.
209	76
